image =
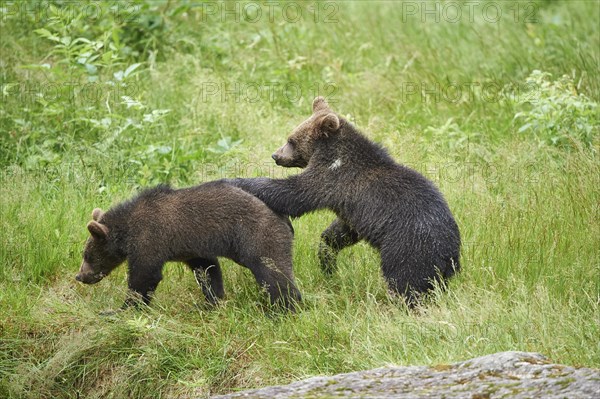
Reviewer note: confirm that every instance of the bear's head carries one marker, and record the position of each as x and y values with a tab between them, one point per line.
300	146
100	255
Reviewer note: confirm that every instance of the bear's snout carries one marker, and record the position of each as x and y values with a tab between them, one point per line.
87	275
88	278
277	158
285	157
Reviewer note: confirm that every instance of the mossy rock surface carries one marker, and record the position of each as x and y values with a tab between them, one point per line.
499	375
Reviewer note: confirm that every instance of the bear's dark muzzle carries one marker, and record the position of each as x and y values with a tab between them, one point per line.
288	163
278	159
87	278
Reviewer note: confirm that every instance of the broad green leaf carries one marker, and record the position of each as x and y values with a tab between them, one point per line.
47	34
131	68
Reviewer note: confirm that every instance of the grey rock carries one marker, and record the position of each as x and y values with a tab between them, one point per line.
500	375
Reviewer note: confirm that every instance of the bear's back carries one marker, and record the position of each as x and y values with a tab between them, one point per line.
212	215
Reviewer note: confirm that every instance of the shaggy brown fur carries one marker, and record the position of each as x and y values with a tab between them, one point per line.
192	225
394	208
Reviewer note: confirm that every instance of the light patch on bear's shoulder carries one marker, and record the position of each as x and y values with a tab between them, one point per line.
335	164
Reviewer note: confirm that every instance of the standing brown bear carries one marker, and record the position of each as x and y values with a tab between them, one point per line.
192	225
394	208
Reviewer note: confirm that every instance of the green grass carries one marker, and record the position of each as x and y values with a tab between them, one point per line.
527	210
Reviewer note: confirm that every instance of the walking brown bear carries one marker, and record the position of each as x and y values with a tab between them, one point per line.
192	225
394	208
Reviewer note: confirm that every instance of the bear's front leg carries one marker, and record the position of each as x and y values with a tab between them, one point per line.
209	278
335	238
284	196
142	282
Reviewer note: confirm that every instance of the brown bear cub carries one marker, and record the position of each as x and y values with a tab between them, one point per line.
394	208
195	226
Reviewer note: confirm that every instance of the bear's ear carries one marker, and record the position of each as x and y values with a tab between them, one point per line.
97	230
319	104
97	214
329	124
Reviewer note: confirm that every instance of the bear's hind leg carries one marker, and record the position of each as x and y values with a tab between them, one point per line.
278	279
405	280
335	238
209	278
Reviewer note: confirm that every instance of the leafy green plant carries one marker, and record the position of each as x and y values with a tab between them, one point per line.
557	114
224	145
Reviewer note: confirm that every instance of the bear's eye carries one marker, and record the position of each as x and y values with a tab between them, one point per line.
292	142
